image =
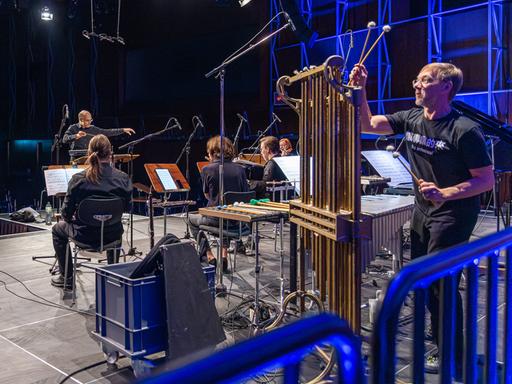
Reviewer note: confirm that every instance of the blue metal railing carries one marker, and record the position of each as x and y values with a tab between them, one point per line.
282	348
444	266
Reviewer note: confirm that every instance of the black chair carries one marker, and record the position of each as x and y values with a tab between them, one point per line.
96	212
230	232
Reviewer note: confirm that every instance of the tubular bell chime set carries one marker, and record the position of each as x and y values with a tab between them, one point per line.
328	212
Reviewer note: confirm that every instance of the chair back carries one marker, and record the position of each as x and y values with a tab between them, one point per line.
100	211
241	197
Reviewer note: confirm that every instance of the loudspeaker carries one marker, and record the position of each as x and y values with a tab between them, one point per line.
192	319
303	32
502	156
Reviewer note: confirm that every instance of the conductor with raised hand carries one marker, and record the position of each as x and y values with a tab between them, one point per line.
447	152
80	134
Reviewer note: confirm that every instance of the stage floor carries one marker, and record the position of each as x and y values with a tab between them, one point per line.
44	344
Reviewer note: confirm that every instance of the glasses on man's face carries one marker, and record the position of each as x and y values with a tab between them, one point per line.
86	120
423	81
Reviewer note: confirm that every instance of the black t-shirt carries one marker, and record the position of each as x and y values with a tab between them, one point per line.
442	151
235	180
83	142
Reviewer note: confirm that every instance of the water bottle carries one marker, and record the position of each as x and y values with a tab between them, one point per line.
49	213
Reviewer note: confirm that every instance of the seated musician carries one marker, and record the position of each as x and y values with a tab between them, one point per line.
269	149
235	180
80	134
98	179
286	147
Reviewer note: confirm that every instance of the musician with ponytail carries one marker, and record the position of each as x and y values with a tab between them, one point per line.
99	179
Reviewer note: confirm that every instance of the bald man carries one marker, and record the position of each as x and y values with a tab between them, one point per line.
78	135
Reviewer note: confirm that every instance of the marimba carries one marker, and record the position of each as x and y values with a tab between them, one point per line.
254	214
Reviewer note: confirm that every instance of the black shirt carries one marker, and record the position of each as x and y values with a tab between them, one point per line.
271	172
83	142
235	180
442	151
112	183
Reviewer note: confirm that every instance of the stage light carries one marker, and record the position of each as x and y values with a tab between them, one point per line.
46	14
244	2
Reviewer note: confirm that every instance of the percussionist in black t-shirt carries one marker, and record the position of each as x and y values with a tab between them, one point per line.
235	180
80	134
447	153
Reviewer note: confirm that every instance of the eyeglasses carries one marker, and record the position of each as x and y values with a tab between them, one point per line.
424	81
87	120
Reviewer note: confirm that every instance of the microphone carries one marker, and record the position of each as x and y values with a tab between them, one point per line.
198	120
289	21
66	112
276	117
241	117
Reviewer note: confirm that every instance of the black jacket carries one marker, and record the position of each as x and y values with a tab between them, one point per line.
112	183
271	172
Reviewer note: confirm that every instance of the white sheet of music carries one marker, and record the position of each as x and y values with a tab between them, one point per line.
57	179
166	179
290	165
387	166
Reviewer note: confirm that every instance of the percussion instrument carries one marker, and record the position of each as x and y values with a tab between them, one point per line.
328	211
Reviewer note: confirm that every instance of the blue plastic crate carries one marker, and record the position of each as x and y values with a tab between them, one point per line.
131	313
209	272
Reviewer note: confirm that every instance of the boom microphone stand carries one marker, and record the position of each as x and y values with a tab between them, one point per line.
196	122
219	73
56	140
235	140
255	143
133	251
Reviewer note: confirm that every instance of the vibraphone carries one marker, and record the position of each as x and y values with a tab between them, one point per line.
253	214
387	215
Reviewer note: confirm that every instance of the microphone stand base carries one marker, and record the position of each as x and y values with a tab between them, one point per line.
133	252
220	290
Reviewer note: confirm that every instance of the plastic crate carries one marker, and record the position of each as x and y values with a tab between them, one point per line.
131	313
209	272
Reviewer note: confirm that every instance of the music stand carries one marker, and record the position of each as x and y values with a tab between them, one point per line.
166	178
58	176
254	157
201	165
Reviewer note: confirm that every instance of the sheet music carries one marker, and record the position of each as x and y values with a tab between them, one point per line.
387	166
57	179
290	165
166	179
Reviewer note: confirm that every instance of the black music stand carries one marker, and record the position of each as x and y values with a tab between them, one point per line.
186	149
62	175
133	250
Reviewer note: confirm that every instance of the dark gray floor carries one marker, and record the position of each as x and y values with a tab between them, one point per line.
44	344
